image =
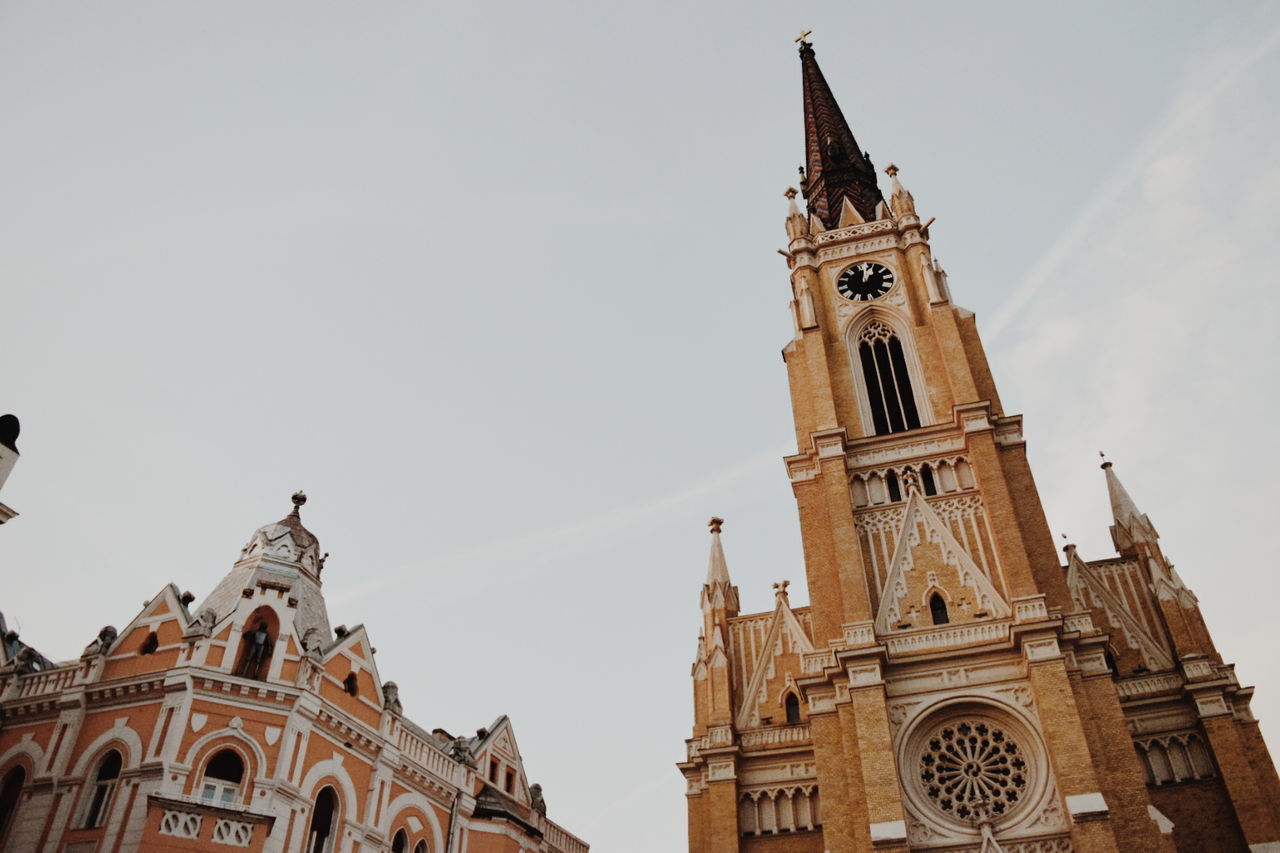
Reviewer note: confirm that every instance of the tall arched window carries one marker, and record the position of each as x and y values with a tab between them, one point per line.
10	791
222	777
793	708
938	609
400	844
323	817
421	847
98	803
884	372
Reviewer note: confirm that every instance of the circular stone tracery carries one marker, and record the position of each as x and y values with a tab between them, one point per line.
969	761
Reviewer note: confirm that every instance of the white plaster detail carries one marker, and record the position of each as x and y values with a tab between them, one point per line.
271	735
888	831
235	723
1166	825
198	721
1046	649
180	824
235	833
1212	705
861	676
415	825
1265	847
1086	806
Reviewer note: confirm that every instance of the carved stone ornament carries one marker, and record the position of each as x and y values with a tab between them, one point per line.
102	644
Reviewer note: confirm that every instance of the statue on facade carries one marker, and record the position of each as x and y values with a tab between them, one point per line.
257	647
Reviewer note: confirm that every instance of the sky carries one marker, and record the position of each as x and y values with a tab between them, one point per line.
497	286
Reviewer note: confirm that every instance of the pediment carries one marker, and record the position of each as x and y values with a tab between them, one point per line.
1090	592
786	636
927	558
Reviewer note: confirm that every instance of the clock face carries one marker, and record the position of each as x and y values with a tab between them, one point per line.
864	282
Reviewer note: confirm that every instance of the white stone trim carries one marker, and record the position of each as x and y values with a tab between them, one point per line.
1165	825
119	732
407	800
1086	806
888	831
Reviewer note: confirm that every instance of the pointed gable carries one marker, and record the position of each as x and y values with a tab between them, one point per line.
136	651
1115	612
774	667
927	559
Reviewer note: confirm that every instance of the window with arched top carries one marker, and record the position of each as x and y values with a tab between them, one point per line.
400	844
10	792
886	379
324	817
938	610
792	705
99	794
421	847
222	777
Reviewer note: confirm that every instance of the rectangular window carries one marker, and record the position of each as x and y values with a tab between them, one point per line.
510	784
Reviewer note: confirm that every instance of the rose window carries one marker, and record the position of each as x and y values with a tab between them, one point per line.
969	763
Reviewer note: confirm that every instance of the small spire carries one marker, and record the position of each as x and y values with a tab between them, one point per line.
903	202
1131	524
797	225
780	590
299	498
717	567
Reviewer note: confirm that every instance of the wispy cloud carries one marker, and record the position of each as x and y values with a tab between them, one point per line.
1194	104
587	528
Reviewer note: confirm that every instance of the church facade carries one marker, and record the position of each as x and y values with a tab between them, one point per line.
954	685
248	722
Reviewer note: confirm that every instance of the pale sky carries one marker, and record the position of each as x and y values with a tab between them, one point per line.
496	284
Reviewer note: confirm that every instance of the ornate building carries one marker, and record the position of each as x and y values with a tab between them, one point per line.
247	722
953	685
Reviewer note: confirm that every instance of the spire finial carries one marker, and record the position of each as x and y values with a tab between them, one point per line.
791	193
780	589
1106	463
803	39
715	524
891	170
299	498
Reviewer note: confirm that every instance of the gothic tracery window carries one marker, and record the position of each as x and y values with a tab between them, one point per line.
887	381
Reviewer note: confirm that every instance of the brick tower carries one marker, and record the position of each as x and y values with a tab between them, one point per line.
953	686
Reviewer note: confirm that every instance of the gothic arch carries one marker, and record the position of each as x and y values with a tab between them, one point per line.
25	752
899	327
122	738
411	800
255	762
331	769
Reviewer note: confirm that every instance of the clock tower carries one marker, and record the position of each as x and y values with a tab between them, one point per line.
955	684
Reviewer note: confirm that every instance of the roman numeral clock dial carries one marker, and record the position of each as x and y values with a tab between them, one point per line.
864	282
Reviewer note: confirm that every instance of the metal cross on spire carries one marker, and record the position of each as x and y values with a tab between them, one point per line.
802	39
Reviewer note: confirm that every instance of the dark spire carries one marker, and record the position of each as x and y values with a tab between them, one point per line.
835	167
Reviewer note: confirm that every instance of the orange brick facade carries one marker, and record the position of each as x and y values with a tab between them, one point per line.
248	723
955	684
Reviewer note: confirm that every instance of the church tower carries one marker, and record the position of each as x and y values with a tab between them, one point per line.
953	685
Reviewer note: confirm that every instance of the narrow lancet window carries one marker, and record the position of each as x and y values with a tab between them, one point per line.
793	708
895	490
888	383
938	609
927	481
